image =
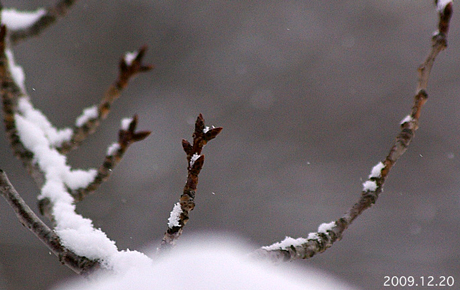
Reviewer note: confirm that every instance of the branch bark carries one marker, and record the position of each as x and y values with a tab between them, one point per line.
126	137
52	14
78	264
88	123
181	211
318	242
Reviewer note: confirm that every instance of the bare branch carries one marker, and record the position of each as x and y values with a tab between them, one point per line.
180	214
126	137
317	242
91	118
31	221
51	15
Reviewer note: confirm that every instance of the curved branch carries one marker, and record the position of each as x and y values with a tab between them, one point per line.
78	264
51	15
328	233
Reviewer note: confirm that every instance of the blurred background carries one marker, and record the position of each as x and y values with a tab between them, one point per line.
310	95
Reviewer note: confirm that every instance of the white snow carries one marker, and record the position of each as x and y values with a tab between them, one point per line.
408	118
113	148
377	170
442	5
88	114
174	216
207	128
313	236
286	243
324	227
16	71
369	186
194	158
125	122
76	232
55	136
291	242
206	263
130	56
15	20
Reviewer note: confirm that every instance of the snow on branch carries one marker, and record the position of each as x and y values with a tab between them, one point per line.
17	20
39	145
25	24
79	264
91	117
127	135
180	215
317	242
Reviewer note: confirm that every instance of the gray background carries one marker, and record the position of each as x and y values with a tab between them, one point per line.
310	95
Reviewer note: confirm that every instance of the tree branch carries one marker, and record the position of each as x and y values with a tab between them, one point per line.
11	92
181	211
78	264
328	233
126	137
51	15
130	65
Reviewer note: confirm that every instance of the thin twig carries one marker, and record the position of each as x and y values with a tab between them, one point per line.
52	14
90	121
78	264
126	137
180	214
327	234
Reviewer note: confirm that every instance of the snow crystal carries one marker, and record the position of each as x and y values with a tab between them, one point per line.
207	128
324	227
55	136
87	241
369	186
194	158
130	57
113	148
174	216
16	70
88	114
313	236
78	178
125	122
442	5
123	261
408	118
377	170
286	243
15	20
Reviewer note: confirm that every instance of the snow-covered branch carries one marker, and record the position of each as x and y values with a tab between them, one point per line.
40	146
23	25
327	234
30	220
